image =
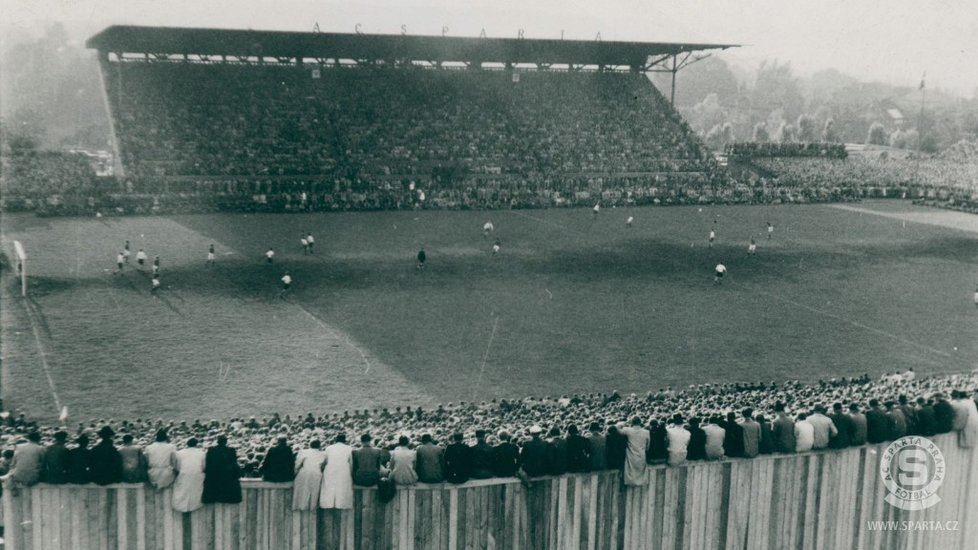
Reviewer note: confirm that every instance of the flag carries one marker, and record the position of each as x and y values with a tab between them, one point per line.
64	414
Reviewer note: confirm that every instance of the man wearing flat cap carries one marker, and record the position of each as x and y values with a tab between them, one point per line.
55	464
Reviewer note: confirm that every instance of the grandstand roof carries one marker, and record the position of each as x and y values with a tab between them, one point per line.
190	41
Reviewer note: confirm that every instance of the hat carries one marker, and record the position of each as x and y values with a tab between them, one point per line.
536	430
106	432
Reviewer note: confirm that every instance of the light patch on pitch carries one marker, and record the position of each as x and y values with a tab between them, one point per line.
928	216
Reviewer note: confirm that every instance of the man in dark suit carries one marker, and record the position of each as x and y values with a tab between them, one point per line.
843	427
783	429
926	417
79	461
556	453
896	423
505	456
598	448
859	427
877	423
766	445
697	441
458	460
430	461
367	462
481	454
533	455
55	463
658	452
910	415
733	437
222	475
943	414
279	463
105	462
616	445
578	451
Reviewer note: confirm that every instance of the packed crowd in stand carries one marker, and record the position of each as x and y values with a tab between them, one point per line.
758	149
505	438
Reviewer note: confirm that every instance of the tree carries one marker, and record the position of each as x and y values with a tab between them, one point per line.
706	114
877	135
777	88
789	133
904	139
828	133
760	132
806	129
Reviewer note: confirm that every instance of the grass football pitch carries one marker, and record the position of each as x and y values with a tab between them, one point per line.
572	303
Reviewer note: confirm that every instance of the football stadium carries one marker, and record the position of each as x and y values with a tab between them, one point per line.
515	254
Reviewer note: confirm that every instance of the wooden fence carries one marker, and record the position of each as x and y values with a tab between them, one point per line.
821	500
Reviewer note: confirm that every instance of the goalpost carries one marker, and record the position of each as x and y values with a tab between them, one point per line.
21	266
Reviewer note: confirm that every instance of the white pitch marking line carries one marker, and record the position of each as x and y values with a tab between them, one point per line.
43	354
326	327
485	357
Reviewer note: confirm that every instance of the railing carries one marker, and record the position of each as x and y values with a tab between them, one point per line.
806	501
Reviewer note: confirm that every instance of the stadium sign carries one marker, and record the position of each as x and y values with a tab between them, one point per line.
912	470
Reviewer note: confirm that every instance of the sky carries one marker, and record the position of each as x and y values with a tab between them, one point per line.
894	41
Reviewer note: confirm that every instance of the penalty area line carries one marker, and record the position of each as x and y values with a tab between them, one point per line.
327	328
485	357
31	317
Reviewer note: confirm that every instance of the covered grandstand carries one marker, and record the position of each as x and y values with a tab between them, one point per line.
374	119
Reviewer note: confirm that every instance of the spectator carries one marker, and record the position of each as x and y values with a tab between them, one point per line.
28	461
403	461
678	441
877	423
222	475
368	463
79	461
105	461
752	434
767	443
715	436
533	455
134	467
616	446
279	463
859	426
337	490
458	460
188	488
578	451
825	429
638	444
55	463
505	456
309	464
598	448
895	421
926	417
658	443
909	413
430	461
843	427
556	453
968	433
783	429
733	440
161	458
943	413
804	434
697	441
481	454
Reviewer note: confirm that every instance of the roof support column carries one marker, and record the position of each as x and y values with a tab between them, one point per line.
672	92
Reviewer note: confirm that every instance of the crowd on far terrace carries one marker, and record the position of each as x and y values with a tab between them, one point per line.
326	455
